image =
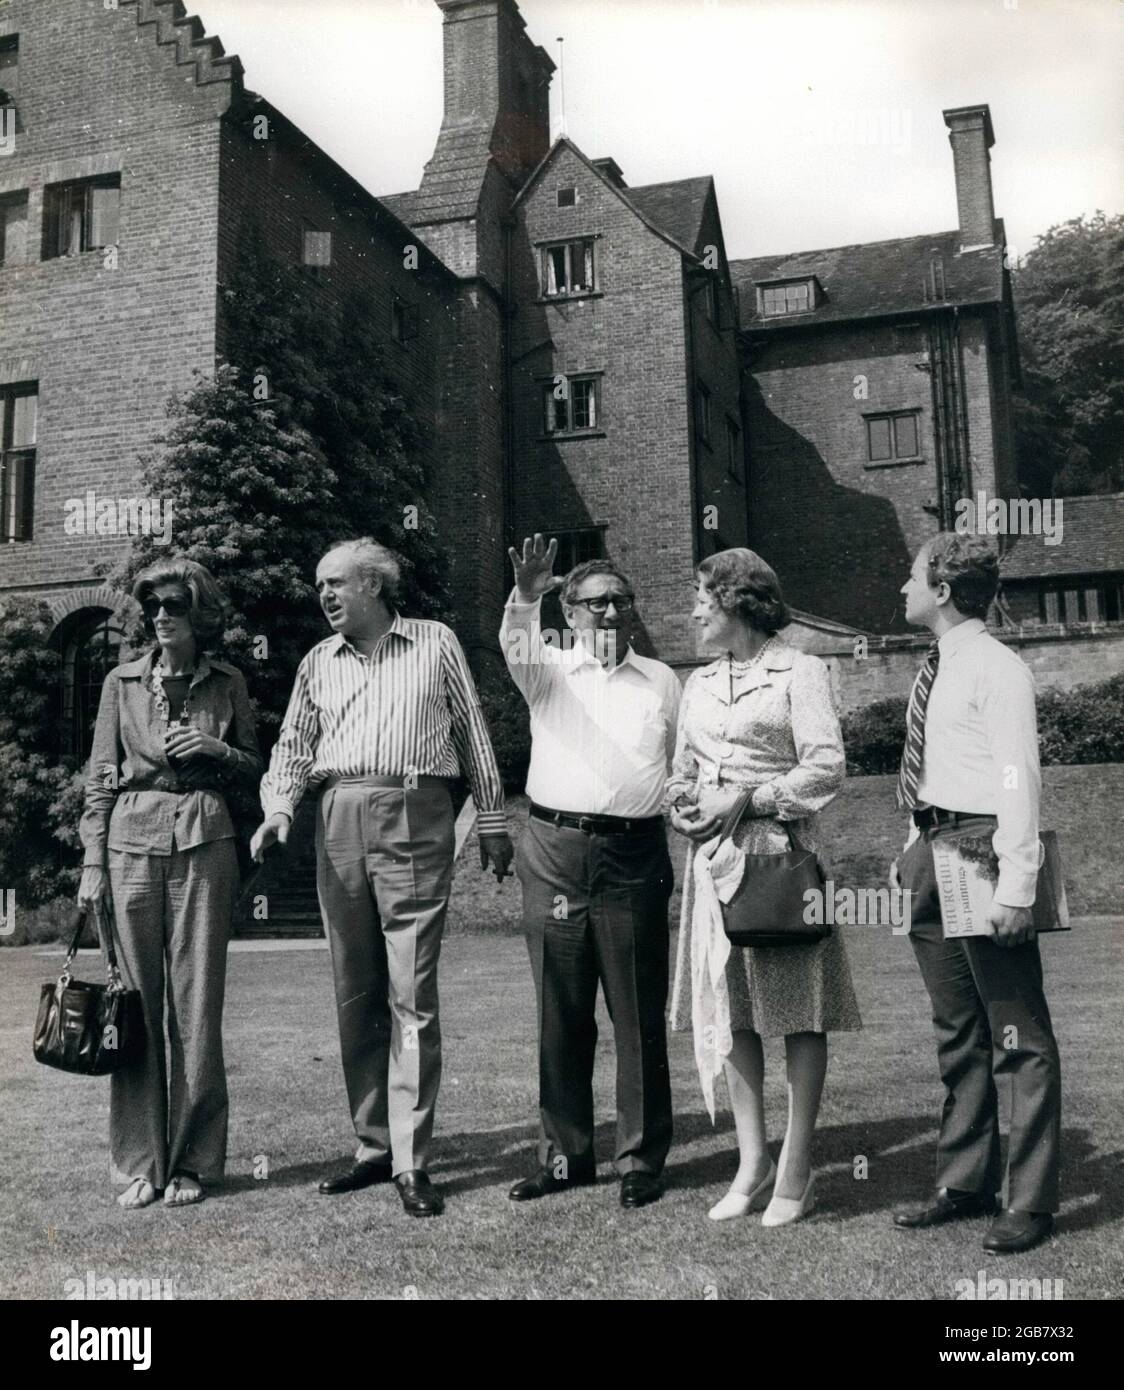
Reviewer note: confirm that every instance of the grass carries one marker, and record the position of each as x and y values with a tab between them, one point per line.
275	1237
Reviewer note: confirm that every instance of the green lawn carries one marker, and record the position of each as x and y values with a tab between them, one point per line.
277	1237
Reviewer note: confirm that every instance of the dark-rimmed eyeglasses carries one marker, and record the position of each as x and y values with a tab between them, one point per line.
623	603
174	607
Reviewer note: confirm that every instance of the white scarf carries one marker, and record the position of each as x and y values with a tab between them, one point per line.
718	869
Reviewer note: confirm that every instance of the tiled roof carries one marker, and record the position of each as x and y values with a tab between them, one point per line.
401	205
676	208
1092	541
452	180
875	278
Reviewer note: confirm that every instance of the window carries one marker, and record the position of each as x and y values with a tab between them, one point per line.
575	547
567	268
567	197
710	299
18	411
792	297
571	405
13	229
9	69
89	642
81	216
733	449
317	250
403	321
892	437
702	413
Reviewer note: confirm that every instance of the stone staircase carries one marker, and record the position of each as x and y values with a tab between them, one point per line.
279	898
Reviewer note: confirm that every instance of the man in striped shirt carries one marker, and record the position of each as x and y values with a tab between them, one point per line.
383	716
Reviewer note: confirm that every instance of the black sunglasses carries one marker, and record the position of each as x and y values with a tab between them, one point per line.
174	607
623	603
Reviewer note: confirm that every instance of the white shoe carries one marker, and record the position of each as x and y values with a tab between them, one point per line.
736	1204
783	1210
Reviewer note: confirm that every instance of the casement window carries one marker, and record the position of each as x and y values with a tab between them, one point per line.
892	436
567	268
572	404
702	413
786	297
81	216
403	321
18	411
317	250
733	449
13	229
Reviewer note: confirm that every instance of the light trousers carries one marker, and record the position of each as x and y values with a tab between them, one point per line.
168	1112
384	868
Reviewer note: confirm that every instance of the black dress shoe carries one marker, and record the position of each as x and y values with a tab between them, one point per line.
419	1196
543	1183
1012	1232
948	1205
638	1189
357	1176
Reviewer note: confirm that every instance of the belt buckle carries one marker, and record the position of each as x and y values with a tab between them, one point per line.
585	824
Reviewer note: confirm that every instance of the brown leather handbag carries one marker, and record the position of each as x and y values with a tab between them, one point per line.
769	905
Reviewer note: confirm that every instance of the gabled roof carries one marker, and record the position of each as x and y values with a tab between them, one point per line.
875	278
1092	541
678	207
624	194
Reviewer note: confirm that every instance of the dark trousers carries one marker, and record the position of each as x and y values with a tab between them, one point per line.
991	1020
595	909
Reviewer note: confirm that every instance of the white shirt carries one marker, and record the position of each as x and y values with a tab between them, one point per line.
981	750
602	740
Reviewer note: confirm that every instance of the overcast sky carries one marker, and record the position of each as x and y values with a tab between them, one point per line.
820	122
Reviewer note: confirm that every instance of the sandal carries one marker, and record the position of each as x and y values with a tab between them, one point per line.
183	1190
139	1193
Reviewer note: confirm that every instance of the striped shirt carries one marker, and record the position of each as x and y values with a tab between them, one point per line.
411	707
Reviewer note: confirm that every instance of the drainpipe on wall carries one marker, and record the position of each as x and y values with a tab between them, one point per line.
507	412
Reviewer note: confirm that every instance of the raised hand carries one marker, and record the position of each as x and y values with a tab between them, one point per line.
534	574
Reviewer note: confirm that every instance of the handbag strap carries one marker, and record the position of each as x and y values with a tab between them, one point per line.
739	809
113	972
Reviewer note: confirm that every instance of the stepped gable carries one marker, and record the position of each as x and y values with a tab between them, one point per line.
874	278
677	207
184	36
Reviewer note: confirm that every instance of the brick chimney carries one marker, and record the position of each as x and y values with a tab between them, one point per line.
497	82
971	136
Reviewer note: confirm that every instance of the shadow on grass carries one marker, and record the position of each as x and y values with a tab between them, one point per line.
900	1153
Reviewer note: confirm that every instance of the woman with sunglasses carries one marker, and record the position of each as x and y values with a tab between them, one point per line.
174	733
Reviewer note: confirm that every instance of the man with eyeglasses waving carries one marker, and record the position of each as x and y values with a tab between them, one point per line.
594	866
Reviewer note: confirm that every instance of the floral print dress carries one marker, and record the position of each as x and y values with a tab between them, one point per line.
768	723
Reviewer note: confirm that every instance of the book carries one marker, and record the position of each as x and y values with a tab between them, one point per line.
967	871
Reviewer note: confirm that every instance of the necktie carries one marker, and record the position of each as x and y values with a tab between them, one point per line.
910	773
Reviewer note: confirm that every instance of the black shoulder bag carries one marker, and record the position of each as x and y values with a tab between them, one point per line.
769	905
87	1028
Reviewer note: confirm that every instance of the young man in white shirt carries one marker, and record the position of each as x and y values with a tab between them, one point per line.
972	755
594	866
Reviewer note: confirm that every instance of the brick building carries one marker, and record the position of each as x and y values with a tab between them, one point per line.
583	358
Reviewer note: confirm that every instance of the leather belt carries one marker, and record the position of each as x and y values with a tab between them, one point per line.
598	825
932	817
418	781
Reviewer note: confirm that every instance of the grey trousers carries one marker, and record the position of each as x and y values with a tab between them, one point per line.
173	915
991	1020
384	868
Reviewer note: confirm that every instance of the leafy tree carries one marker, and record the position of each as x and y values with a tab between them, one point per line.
31	775
1069	296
